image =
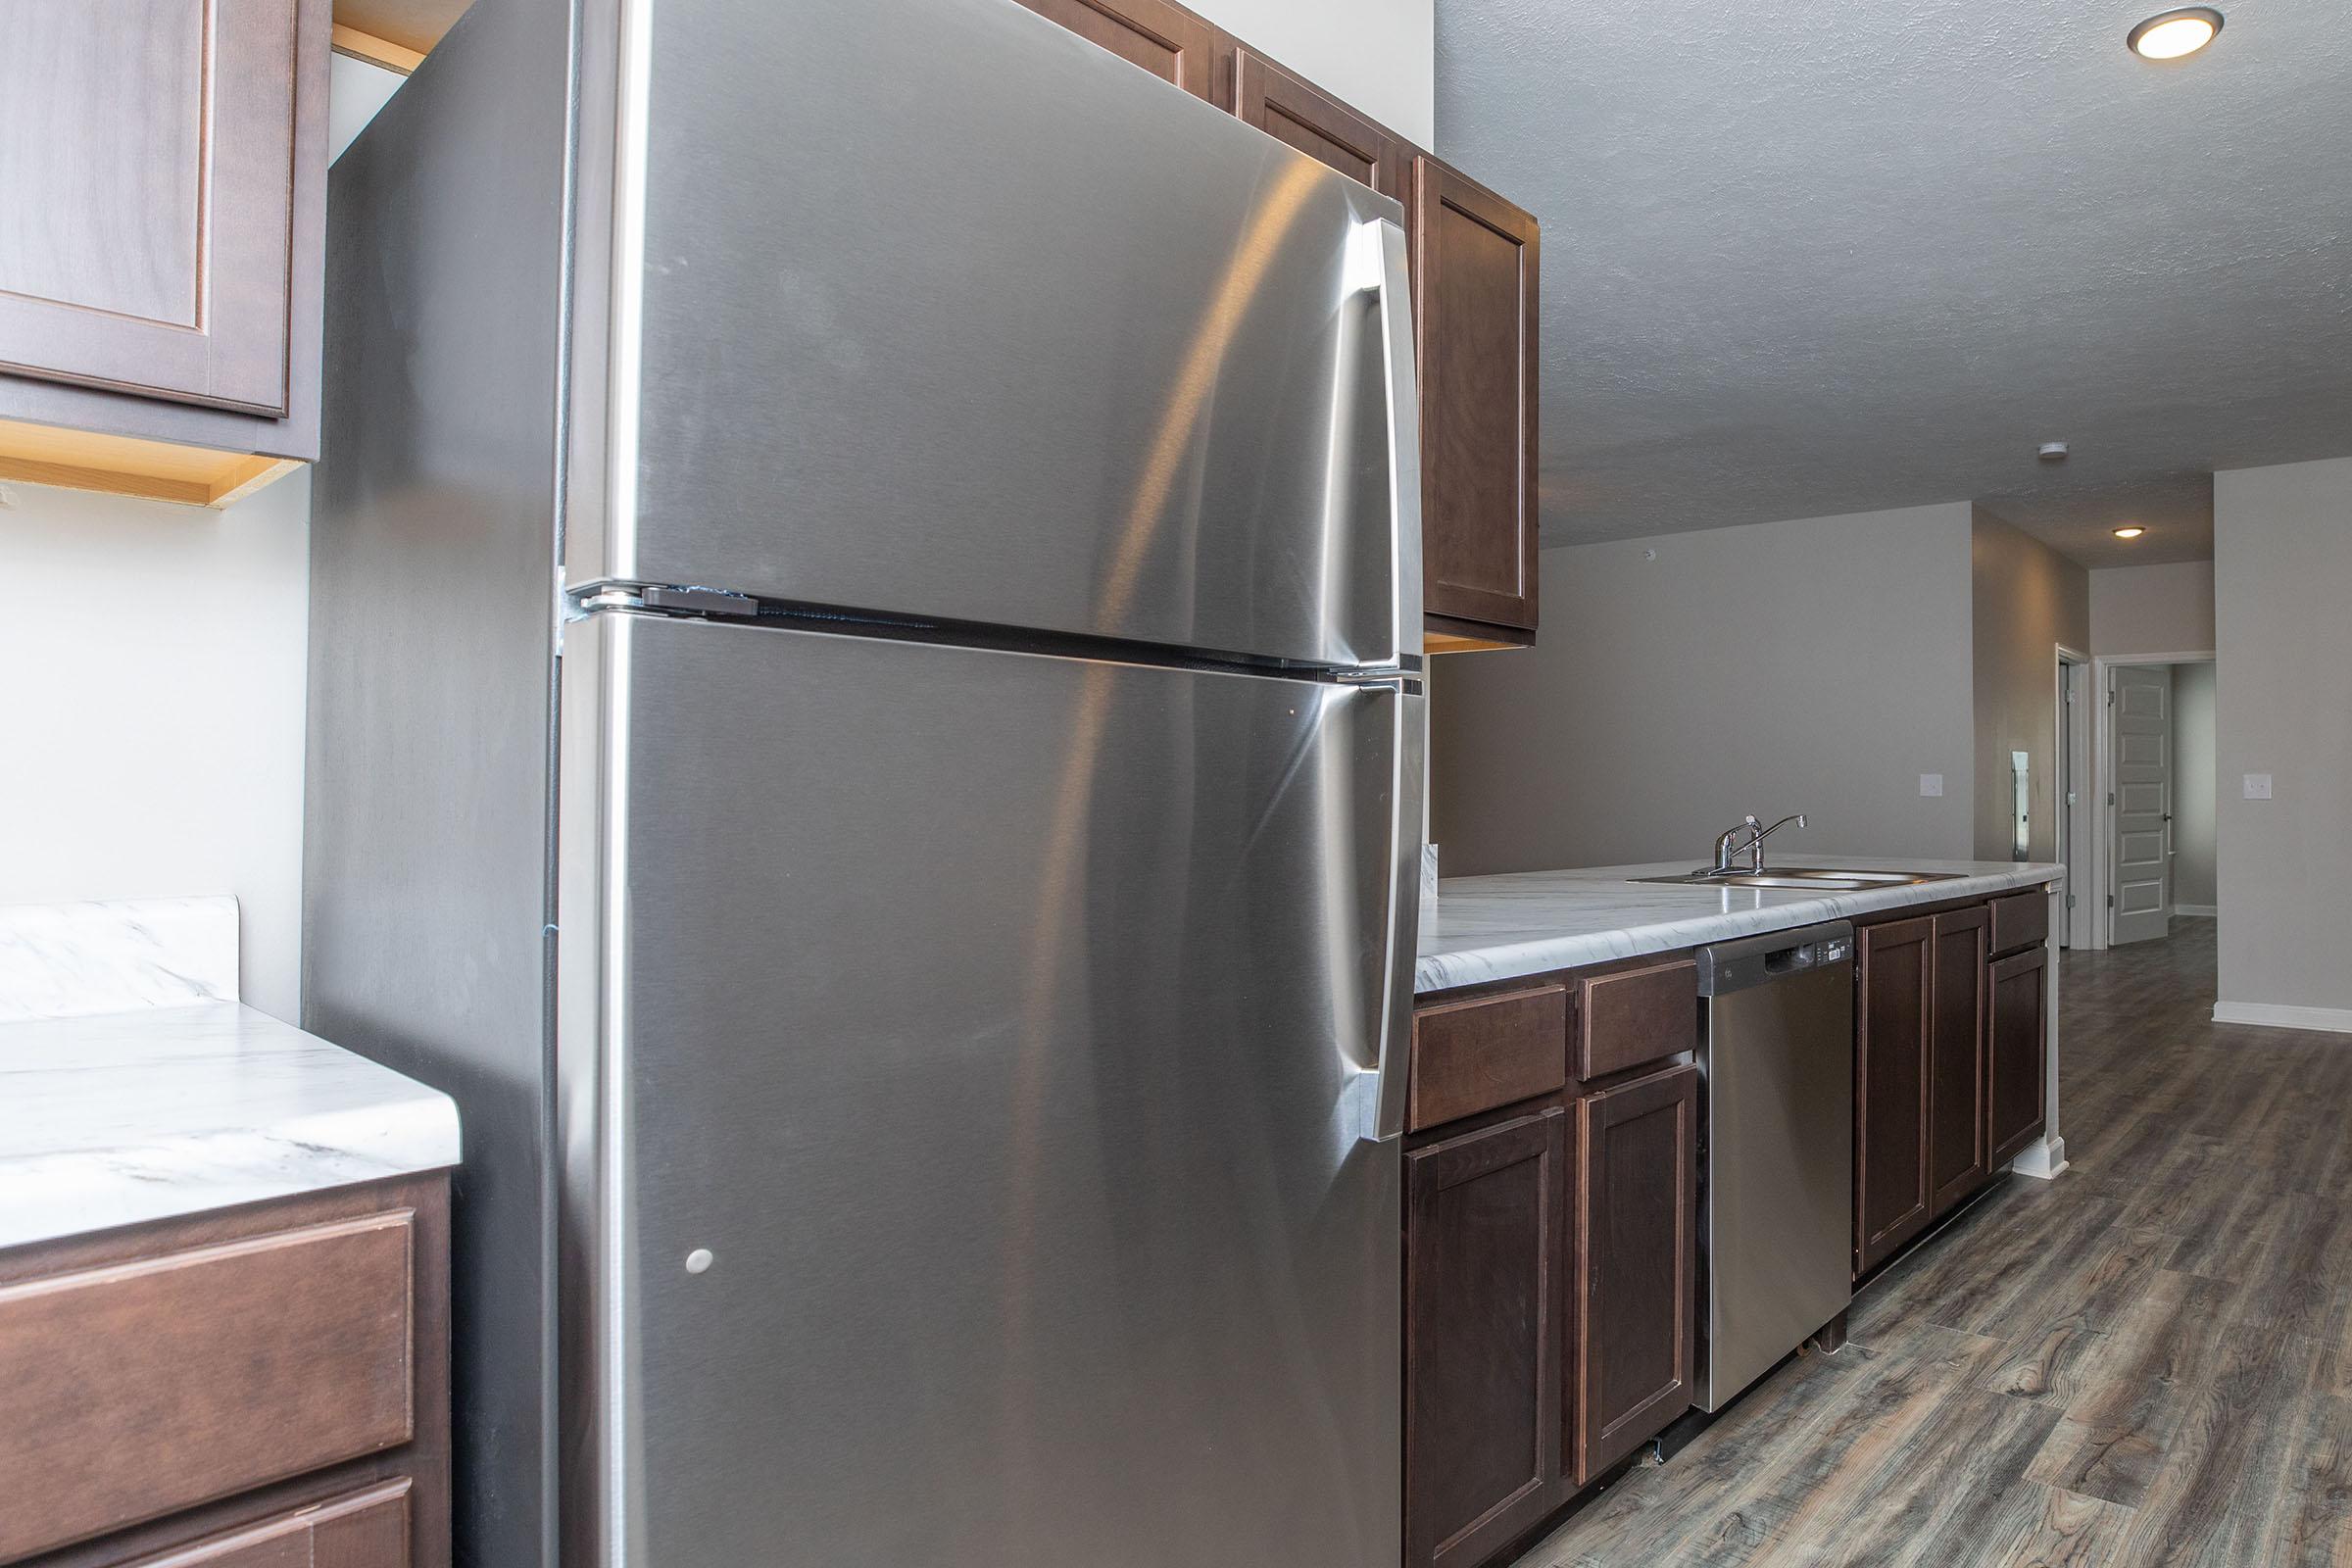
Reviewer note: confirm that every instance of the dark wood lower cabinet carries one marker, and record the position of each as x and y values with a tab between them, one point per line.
1484	1295
1892	1010
1957	1153
1637	1265
259	1387
2020	1053
1163	37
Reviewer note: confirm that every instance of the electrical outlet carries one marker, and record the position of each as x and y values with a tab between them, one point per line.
1930	785
2258	786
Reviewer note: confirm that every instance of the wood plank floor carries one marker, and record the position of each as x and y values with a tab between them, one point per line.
2146	1362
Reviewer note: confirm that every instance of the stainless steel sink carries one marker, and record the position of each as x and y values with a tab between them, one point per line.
1803	878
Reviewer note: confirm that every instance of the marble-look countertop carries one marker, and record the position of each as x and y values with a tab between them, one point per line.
115	1119
1501	927
135	1086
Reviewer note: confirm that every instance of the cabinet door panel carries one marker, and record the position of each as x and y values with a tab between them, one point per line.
364	1529
1483	1335
1956	1124
1891	1088
1474	322
141	1388
1637	1257
148	148
1164	39
2019	1054
1296	111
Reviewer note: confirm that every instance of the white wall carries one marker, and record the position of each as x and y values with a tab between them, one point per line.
2152	610
2193	804
2282	558
1378	55
152	708
1817	666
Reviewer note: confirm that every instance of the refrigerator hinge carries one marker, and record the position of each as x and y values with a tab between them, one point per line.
584	603
665	599
1407	681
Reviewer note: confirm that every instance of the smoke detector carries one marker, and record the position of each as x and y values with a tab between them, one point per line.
2053	452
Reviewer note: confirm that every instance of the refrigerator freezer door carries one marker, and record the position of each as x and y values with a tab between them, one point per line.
931	307
975	1160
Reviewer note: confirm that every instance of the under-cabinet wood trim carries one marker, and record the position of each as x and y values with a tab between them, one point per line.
376	51
130	465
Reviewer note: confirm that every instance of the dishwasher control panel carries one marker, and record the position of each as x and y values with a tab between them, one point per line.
1729	966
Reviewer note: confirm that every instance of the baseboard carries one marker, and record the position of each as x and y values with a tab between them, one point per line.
2196	912
2043	1160
2271	1016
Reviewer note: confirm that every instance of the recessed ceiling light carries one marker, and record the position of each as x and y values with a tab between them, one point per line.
2171	34
2130	530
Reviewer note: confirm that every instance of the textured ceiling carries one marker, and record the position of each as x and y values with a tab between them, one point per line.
1836	255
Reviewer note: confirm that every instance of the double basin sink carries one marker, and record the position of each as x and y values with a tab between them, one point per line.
1804	878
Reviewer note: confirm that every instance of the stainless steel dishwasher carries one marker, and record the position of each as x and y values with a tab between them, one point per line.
1777	1211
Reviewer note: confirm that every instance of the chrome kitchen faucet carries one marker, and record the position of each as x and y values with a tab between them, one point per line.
1726	846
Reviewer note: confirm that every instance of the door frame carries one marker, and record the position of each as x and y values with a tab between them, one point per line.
2103	667
2073	813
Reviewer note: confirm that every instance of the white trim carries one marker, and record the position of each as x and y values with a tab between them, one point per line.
2074	820
2271	1015
2196	912
2102	765
2043	1160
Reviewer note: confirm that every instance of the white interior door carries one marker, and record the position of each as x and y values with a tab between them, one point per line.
2141	852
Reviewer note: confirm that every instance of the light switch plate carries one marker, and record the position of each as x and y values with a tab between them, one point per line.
2258	786
1930	785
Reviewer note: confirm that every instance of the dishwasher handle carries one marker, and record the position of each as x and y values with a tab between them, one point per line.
1729	966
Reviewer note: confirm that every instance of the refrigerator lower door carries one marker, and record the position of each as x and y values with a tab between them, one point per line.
935	308
970	1139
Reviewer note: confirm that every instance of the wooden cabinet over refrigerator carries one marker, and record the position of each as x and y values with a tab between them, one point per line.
163	247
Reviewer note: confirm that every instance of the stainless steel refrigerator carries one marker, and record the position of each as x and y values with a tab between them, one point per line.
865	724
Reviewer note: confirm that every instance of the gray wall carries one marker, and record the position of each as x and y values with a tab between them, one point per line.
2152	610
1820	664
2282	558
2027	599
2193	803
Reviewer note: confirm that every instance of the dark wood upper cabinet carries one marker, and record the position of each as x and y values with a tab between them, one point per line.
1475	324
1482	1299
1163	38
1637	1265
149	158
1957	1154
1891	1195
163	244
1293	110
2019	1056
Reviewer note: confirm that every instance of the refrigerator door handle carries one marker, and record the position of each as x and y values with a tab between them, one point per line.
1410	718
1381	250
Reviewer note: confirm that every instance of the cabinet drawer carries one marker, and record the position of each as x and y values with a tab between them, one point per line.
365	1530
1474	1055
140	1389
1629	1017
2021	920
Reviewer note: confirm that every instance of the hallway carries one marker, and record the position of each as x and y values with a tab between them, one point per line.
2146	1362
